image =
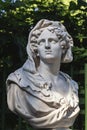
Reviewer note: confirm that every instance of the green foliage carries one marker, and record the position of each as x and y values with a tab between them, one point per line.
17	18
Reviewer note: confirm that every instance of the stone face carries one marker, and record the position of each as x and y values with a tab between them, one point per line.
38	91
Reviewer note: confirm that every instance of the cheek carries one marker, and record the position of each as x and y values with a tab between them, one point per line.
57	48
57	51
40	50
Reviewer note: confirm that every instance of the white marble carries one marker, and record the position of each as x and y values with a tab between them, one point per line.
38	91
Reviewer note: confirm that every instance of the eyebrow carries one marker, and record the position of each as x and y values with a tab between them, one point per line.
43	39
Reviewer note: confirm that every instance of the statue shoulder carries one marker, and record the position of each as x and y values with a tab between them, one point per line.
14	77
65	75
73	83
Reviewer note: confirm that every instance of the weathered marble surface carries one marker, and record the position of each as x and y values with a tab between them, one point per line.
38	91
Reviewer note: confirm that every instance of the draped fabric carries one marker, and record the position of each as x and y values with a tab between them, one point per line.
34	98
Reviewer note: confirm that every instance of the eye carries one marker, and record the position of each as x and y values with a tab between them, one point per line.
52	41
41	42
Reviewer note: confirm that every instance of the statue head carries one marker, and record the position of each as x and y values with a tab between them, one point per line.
64	39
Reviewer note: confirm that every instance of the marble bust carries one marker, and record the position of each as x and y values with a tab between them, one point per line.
38	91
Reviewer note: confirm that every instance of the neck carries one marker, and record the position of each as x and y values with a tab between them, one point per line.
49	70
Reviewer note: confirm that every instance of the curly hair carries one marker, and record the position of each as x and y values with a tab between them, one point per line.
64	38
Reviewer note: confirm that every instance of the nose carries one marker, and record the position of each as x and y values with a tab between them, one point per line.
47	44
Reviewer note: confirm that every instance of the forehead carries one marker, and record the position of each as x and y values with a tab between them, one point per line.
47	34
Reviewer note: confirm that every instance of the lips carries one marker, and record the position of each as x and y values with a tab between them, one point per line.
48	52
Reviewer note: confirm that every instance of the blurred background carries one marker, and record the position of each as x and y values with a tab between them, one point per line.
17	18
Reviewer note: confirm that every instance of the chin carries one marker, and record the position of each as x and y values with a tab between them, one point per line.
49	59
